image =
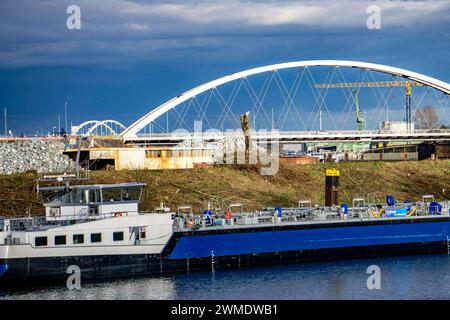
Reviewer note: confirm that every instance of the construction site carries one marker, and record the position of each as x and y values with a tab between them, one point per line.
203	145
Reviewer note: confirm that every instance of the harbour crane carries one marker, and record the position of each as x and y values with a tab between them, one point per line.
376	84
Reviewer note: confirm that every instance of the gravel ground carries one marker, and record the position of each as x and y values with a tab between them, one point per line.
33	155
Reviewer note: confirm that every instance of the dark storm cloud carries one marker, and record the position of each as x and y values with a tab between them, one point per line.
34	33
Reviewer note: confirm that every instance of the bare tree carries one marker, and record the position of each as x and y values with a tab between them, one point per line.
427	118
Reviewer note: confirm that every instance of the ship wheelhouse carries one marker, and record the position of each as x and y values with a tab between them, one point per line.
86	202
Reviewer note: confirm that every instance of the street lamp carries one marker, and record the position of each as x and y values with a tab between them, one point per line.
65	113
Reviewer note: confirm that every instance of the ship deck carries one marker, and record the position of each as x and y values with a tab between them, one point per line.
261	220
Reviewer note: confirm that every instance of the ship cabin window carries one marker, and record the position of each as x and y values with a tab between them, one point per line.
93	196
40	241
96	237
131	193
78	196
118	236
78	238
61	196
56	197
111	194
60	240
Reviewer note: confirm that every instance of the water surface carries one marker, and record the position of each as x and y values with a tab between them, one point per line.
406	277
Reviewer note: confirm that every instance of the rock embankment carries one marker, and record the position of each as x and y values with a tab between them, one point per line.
33	155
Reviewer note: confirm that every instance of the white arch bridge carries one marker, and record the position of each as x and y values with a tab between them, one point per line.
316	100
99	128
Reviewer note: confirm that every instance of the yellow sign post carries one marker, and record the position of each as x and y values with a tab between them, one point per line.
331	187
332	173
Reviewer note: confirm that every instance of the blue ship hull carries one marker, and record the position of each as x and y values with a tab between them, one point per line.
279	239
3	268
247	246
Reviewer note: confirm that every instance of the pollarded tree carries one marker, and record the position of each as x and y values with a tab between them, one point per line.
427	118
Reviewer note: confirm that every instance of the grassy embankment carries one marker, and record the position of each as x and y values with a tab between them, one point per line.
372	180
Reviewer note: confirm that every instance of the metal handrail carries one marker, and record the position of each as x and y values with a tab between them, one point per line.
307	133
314	214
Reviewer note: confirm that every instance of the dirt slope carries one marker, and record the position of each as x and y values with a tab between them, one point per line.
405	180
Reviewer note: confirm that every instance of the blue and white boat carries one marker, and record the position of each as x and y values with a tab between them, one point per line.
99	229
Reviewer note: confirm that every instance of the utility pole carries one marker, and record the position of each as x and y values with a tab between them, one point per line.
65	112
272	118
59	123
6	125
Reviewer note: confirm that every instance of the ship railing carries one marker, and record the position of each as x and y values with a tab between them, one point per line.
26	223
43	222
293	215
195	222
39	223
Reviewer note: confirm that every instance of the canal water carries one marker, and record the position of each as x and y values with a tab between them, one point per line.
406	277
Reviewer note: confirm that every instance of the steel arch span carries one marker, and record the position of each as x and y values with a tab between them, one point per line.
91	125
106	123
132	130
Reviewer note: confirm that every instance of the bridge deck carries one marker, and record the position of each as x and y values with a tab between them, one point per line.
300	136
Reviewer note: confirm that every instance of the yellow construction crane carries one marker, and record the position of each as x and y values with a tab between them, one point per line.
407	84
372	84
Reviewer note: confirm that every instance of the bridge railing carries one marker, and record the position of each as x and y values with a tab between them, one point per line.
296	133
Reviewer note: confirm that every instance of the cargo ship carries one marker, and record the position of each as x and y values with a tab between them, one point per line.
99	229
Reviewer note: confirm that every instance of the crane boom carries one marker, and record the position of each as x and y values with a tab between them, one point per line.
376	84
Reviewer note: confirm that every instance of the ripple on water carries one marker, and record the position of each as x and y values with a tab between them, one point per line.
407	277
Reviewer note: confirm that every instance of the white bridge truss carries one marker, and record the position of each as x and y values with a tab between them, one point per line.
318	123
98	128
